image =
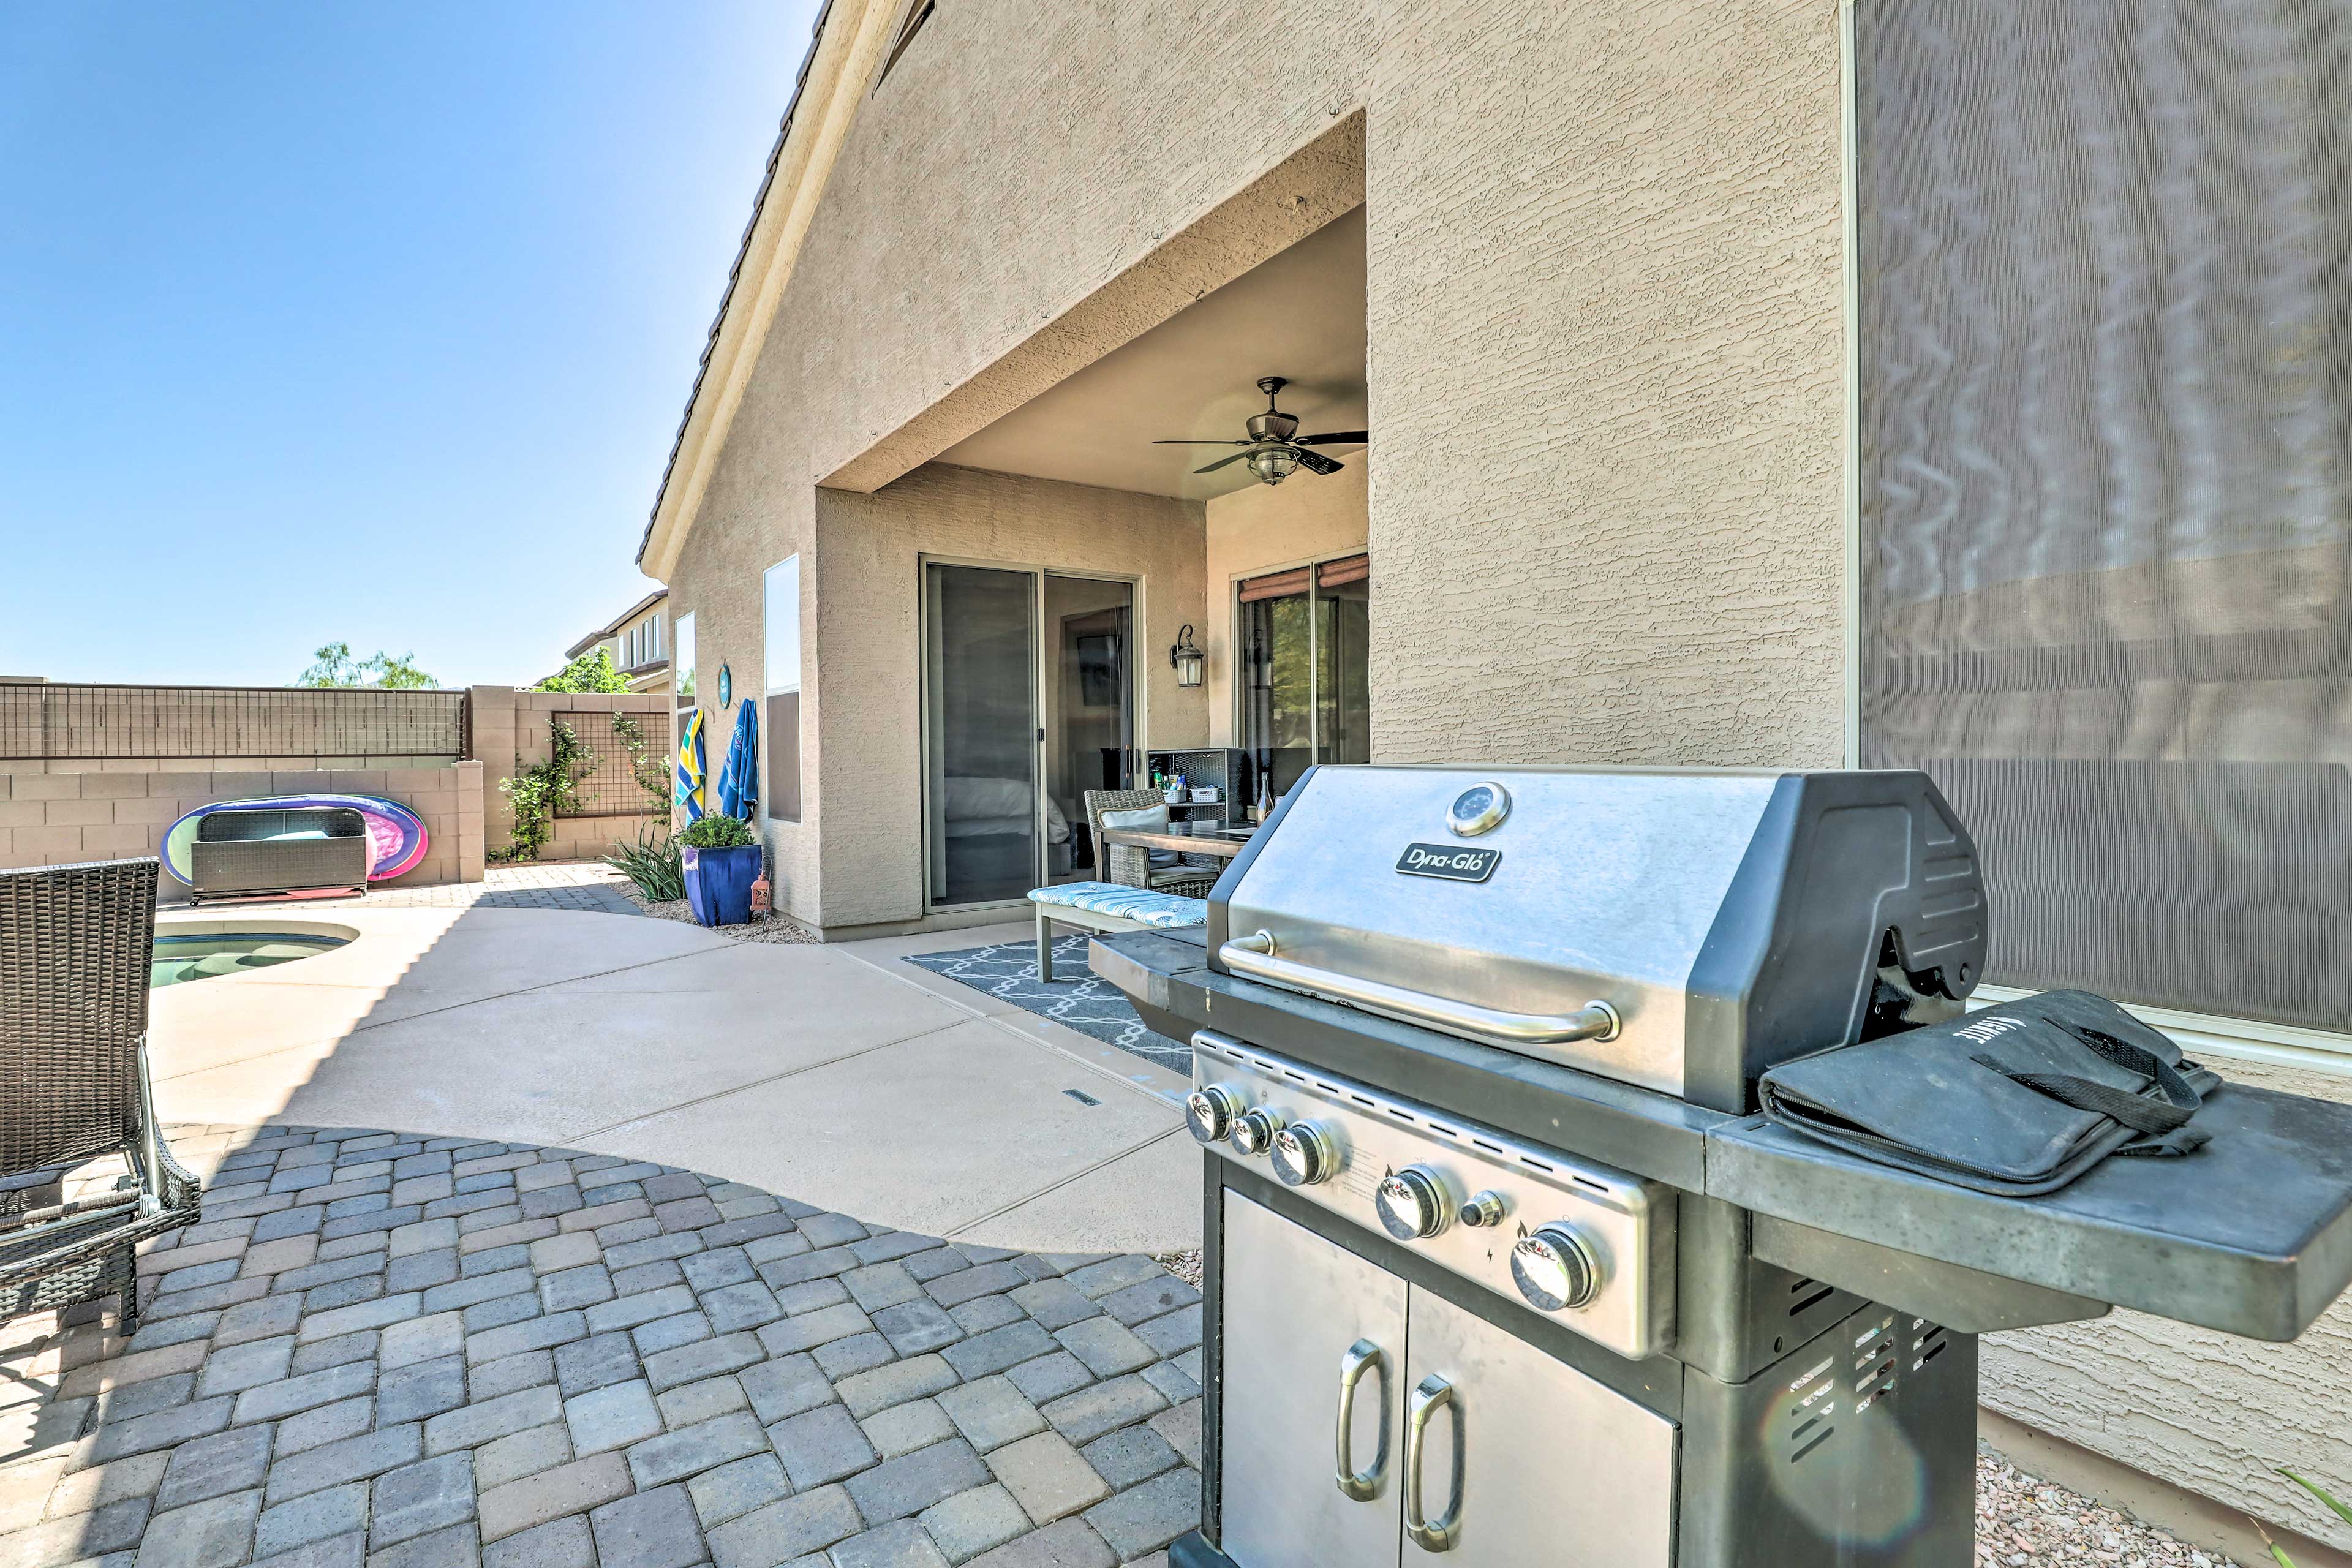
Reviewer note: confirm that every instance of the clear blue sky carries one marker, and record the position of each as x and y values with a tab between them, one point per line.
367	323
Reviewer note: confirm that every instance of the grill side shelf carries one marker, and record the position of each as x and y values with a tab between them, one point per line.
2251	1235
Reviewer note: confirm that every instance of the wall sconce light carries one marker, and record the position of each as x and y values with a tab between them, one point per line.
1186	658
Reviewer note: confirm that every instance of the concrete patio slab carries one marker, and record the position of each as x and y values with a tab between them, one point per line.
840	1072
932	1133
1121	1207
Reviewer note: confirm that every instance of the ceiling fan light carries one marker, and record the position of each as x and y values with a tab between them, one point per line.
1274	465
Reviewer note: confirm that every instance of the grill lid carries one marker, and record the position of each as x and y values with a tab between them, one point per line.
1722	921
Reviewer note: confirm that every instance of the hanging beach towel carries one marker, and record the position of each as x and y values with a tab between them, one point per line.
738	780
689	766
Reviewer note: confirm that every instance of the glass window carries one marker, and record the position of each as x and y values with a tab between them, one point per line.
1303	671
780	590
682	675
2106	492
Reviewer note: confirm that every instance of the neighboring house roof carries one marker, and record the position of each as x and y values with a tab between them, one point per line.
850	39
613	626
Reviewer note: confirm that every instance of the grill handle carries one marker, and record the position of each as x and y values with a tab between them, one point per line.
1255	956
1361	1486
1439	1534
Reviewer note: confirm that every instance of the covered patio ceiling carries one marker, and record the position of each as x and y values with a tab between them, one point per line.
1299	315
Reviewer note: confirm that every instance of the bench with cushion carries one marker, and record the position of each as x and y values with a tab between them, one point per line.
1109	907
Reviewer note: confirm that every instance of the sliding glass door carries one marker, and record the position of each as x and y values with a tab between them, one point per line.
1305	694
1028	698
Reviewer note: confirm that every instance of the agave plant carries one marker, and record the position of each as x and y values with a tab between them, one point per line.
2337	1508
652	863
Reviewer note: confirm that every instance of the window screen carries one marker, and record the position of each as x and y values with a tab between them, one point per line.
2106	378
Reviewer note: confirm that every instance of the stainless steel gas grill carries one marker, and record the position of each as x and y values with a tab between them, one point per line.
1502	1264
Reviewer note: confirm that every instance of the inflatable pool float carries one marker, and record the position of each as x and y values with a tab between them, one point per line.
396	834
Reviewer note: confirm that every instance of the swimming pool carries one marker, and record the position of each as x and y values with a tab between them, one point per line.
203	955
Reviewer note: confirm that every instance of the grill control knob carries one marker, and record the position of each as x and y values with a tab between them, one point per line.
1306	1154
1254	1133
1553	1268
1412	1204
1485	1208
1210	1111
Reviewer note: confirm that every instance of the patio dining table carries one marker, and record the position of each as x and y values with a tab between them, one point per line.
1224	843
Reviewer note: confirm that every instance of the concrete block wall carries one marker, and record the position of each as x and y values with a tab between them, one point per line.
511	734
53	817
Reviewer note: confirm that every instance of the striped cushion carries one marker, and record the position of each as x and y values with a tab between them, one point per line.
1166	911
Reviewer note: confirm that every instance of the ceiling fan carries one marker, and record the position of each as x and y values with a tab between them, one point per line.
1273	449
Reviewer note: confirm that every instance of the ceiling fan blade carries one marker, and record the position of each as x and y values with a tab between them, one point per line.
1221	462
1335	438
1242	441
1316	463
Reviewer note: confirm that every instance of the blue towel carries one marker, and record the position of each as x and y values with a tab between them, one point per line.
738	780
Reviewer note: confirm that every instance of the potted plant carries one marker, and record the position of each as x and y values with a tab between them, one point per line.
719	858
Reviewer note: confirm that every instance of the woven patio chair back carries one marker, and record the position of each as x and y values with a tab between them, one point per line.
1121	863
75	946
1130	867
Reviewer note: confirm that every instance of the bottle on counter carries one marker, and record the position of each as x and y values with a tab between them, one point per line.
1265	806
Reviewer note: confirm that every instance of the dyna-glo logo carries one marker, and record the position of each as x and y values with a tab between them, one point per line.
1450	861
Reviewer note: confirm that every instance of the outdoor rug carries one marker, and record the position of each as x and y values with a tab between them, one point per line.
1076	999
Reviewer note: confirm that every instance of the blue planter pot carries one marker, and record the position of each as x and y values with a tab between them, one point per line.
719	883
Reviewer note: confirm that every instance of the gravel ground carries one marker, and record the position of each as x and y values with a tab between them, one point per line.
1185	1266
2023	1522
768	927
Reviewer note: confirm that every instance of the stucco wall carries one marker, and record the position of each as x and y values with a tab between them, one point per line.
1264	527
1605	296
1605	496
768	514
871	547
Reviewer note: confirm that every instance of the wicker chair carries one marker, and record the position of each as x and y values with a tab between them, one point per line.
75	945
1192	877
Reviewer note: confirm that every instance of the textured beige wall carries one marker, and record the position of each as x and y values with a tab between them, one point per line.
1267	526
1606	380
768	514
871	547
54	819
1605	374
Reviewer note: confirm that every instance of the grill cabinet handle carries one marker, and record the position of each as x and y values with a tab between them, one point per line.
1431	1535
1361	1486
1255	955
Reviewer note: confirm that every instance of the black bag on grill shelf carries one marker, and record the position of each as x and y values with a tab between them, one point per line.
2016	1099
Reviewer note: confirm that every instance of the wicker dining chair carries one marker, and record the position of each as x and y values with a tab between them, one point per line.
1192	877
75	946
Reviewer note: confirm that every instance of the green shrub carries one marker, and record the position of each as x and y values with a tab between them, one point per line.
716	830
652	863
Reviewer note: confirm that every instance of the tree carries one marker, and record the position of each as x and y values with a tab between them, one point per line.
335	667
591	671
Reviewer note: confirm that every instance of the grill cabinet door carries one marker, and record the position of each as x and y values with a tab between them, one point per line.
1294	1305
1553	1469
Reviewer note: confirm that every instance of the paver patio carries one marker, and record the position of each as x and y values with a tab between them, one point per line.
395	1351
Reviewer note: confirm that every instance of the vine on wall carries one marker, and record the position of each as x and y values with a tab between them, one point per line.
541	792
